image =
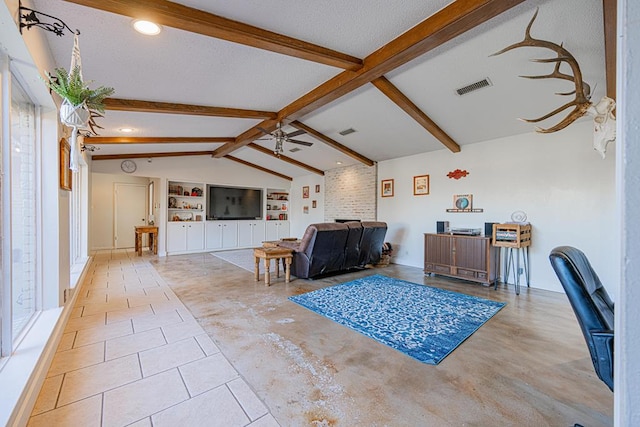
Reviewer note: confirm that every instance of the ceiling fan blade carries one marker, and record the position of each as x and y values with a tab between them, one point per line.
295	141
263	130
296	133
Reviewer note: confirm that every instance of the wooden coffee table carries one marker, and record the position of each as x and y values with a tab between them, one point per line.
267	254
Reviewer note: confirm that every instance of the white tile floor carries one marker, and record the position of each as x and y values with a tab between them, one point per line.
133	355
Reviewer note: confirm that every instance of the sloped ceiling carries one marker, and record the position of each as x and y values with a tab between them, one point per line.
184	67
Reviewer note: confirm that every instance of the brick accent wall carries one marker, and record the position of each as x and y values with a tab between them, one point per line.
350	193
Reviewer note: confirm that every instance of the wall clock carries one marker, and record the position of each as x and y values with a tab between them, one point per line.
128	166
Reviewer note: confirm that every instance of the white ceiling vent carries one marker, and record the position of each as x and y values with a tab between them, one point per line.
294	149
347	131
474	86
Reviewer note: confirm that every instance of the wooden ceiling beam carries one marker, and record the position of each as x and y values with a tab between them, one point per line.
97	140
401	100
610	11
197	21
332	143
139	106
285	159
150	155
451	21
260	168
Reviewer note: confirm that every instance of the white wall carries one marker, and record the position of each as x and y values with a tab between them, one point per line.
566	189
627	340
299	220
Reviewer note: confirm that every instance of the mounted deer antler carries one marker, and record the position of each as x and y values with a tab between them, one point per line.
604	120
581	103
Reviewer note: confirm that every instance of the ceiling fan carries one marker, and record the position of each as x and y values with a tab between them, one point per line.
280	137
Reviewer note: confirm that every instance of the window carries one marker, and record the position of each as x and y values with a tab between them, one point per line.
19	214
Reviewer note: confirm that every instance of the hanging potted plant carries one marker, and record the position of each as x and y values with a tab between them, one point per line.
78	99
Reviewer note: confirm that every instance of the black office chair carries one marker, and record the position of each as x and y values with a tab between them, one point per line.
591	304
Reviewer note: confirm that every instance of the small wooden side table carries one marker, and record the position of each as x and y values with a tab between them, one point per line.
153	238
267	254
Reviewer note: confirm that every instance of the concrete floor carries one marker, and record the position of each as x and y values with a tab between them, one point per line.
527	366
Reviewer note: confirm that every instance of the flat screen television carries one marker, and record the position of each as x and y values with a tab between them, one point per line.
234	203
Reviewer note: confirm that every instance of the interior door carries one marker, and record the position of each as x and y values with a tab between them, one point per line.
131	210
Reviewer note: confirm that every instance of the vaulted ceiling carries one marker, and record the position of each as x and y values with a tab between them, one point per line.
220	71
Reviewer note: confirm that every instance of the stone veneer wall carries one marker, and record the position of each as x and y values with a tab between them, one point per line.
351	193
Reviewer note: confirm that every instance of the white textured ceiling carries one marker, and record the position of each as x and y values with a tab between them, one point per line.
183	67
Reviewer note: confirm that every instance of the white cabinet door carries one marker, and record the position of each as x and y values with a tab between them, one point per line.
221	234
176	237
195	236
271	230
229	234
250	233
283	229
213	235
276	230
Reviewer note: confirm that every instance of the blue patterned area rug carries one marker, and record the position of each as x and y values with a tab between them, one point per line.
422	322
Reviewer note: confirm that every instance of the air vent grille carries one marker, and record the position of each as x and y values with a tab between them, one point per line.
294	149
474	86
347	131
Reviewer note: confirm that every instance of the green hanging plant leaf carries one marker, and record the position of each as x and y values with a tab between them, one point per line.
71	87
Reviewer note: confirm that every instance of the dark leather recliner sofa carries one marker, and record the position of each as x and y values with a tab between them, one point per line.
332	247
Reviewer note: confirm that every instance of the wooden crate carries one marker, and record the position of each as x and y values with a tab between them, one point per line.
511	235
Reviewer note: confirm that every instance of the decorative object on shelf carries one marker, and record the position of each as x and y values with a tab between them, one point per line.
421	185
32	18
314	204
196	192
604	121
305	192
519	217
386	188
457	174
173	202
128	166
463	203
80	104
65	171
317	188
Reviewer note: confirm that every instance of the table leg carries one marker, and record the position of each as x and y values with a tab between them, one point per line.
151	243
278	267
267	274
139	243
257	269
287	270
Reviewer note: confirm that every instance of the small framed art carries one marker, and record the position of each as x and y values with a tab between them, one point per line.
317	188
386	188
314	204
421	185
305	192
65	163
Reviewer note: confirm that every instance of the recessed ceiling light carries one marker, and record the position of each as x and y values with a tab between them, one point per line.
126	130
147	28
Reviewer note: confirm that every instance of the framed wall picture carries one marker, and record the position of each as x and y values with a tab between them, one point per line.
317	188
305	209
305	192
386	188
65	163
314	204
421	185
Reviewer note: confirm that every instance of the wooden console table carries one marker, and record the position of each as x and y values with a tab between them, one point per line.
153	238
267	254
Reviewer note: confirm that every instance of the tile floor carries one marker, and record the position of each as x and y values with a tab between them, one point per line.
133	355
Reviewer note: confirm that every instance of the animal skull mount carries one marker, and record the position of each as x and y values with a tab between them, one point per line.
602	112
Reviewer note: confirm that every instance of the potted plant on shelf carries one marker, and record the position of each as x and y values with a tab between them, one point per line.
78	99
